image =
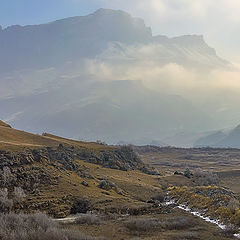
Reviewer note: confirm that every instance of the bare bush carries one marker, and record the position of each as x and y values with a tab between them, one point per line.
35	227
4	193
179	223
204	178
186	236
7	175
19	194
5	203
142	224
88	219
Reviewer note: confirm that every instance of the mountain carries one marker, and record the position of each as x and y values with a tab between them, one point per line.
68	39
221	139
210	139
54	43
60	77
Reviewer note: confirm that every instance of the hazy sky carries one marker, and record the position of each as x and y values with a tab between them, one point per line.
217	20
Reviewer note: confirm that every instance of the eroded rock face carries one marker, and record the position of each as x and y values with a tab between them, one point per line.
121	158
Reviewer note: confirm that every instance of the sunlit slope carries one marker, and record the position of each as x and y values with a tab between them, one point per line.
10	138
67	170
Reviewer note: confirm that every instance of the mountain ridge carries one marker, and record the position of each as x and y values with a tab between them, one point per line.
68	39
221	138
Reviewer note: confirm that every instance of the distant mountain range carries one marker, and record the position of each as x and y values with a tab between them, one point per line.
221	139
48	85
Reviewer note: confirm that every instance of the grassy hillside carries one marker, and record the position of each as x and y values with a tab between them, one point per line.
15	139
66	170
125	196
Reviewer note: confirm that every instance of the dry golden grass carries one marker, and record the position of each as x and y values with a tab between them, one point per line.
116	229
9	136
224	162
90	145
169	160
133	187
12	139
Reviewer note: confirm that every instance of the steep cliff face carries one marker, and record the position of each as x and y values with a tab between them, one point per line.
71	39
67	39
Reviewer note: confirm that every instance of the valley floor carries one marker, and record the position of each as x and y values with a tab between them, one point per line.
116	191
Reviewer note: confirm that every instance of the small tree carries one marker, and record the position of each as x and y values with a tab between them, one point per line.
81	205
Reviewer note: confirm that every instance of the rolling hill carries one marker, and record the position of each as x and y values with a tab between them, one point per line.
56	172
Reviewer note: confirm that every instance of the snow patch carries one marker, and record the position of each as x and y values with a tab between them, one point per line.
198	214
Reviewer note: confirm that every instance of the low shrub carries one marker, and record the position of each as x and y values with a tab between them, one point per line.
81	205
233	205
142	224
205	178
179	223
35	227
107	185
160	197
227	232
186	236
6	204
187	173
19	194
88	219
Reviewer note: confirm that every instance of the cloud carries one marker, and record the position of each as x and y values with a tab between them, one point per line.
13	117
171	77
216	90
